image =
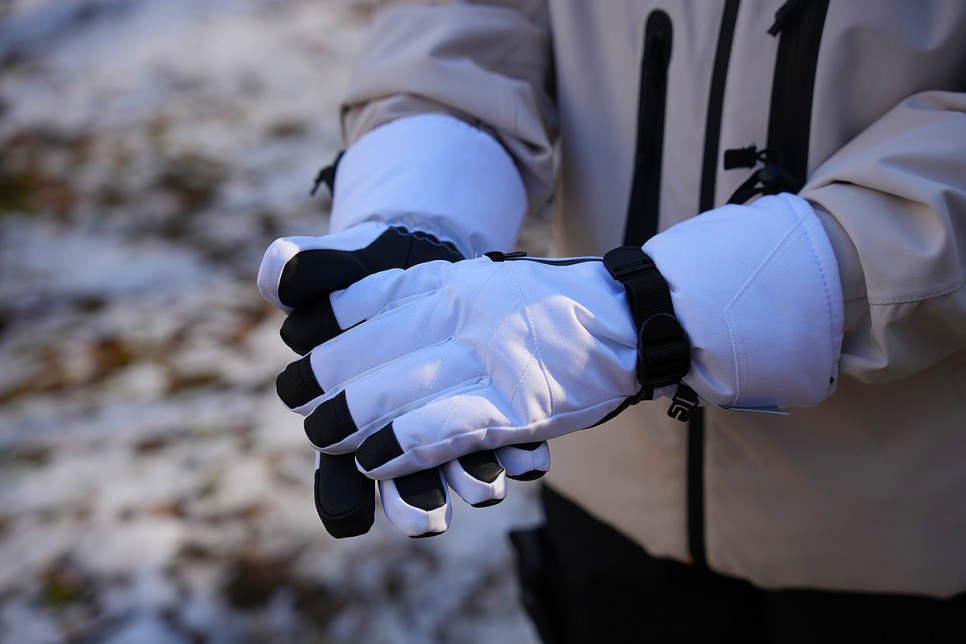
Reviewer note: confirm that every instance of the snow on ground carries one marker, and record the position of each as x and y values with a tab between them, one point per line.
152	488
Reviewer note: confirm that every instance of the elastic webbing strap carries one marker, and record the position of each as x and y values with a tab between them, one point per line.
663	350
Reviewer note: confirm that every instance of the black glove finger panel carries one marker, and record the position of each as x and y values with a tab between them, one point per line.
312	274
485	467
310	325
424	490
344	497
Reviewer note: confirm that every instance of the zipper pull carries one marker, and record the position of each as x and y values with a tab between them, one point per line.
684	402
327	176
783	16
741	157
499	256
750	156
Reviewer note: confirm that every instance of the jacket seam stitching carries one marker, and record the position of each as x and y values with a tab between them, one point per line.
917	298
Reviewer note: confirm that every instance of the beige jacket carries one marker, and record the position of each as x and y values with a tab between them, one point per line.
864	492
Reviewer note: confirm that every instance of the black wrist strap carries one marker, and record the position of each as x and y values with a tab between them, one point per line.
663	350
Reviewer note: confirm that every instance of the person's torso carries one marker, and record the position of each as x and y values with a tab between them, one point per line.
861	493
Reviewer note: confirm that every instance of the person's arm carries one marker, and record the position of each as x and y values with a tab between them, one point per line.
420	180
893	202
483	65
760	290
876	293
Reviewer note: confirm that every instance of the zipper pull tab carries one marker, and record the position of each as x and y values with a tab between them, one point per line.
327	176
783	16
684	402
499	256
741	157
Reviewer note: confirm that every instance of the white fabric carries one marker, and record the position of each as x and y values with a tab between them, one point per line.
521	461
757	290
478	355
412	521
282	250
434	173
473	490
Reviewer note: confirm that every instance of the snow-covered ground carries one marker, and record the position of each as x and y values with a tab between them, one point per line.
152	488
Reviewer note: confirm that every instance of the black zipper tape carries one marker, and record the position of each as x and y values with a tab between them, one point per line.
644	205
712	130
793	88
709	168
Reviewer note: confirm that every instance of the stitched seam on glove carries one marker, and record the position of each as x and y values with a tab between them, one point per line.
536	344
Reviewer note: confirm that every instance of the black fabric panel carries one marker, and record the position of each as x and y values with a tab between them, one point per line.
715	105
806	616
529	447
695	489
312	274
483	466
532	475
296	385
589	583
378	449
793	89
344	497
330	422
425	490
310	325
644	204
585	582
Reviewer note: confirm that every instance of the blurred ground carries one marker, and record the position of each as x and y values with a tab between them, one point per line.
152	488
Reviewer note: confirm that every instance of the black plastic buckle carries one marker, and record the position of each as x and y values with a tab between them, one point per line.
663	350
625	261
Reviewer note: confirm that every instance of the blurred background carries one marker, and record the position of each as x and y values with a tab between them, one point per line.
152	487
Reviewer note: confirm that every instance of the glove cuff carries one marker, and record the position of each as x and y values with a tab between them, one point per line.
432	173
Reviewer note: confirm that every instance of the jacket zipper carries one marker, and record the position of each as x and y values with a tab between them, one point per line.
712	130
793	89
695	446
644	205
800	24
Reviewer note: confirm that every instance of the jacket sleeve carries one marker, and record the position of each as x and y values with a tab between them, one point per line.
893	203
487	64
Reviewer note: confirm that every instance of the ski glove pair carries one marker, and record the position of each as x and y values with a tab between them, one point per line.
297	275
430	364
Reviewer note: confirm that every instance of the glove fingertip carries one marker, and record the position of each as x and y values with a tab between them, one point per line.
525	461
418	504
344	498
478	478
296	385
309	326
482	466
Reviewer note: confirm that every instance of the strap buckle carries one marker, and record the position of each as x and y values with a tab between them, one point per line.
663	350
625	261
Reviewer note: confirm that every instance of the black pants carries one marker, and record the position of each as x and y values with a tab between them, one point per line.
582	581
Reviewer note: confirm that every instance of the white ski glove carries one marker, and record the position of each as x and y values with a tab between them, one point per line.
297	275
456	358
443	359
